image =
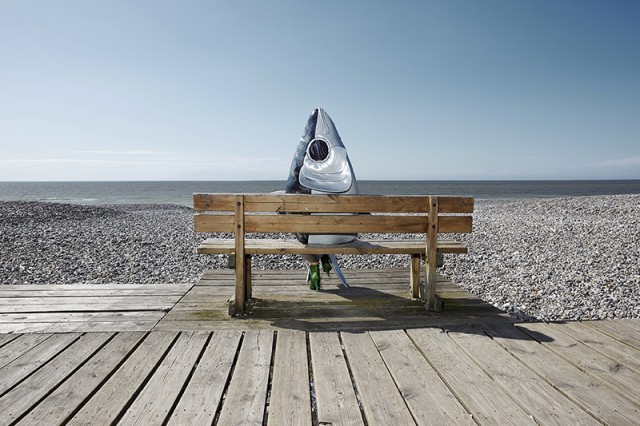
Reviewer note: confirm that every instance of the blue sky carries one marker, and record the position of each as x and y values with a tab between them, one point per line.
221	90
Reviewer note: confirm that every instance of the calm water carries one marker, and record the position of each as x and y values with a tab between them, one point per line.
180	192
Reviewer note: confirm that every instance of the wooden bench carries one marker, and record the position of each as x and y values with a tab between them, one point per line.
426	216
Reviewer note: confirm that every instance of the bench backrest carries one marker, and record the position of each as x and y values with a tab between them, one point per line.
262	213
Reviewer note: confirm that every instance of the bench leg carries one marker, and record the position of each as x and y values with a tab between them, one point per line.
240	294
432	301
243	286
415	276
247	277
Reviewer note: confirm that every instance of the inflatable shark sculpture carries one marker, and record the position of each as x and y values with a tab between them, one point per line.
321	165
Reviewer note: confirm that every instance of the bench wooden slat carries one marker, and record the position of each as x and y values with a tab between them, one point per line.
300	203
320	224
303	203
214	223
455	224
214	202
275	246
455	204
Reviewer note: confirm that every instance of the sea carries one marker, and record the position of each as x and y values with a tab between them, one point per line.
181	192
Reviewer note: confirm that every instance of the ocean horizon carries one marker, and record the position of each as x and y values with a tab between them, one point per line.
181	192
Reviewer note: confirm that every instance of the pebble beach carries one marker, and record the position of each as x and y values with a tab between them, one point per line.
551	259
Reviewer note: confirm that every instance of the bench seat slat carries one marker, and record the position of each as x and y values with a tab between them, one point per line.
276	246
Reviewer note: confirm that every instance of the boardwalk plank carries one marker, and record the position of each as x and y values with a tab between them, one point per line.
29	392
153	404
59	405
487	402
6	338
112	398
31	360
609	371
247	393
587	392
613	329
77	326
98	288
290	401
428	398
381	400
335	397
203	395
602	343
18	345
62	317
631	323
535	396
106	291
38	304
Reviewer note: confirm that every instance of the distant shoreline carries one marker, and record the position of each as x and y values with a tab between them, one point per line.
180	192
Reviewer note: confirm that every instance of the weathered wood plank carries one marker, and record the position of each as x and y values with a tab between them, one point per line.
428	398
27	393
247	393
88	301
154	402
290	400
76	326
59	405
302	203
448	204
277	246
64	317
33	358
110	401
335	397
602	343
615	330
98	289
486	401
282	223
87	304
381	400
630	323
6	338
214	202
535	396
18	345
588	393
203	395
610	372
95	307
214	223
31	290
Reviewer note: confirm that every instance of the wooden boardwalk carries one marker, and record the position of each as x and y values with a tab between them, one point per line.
166	354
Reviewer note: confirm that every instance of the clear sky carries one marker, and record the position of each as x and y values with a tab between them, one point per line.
221	90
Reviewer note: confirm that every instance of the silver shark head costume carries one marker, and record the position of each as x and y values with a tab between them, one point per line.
321	165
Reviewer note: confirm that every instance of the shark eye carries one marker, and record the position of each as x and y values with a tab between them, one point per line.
318	150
